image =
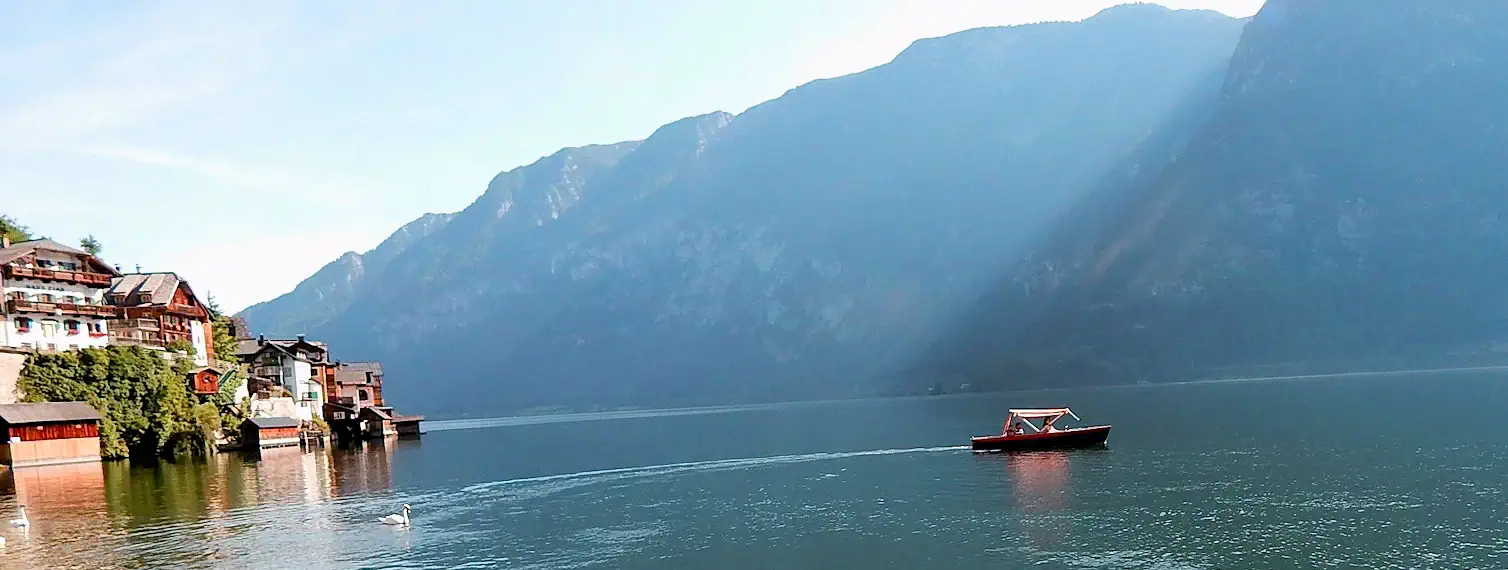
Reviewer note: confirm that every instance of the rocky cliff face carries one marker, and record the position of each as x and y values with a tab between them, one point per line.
1342	200
797	250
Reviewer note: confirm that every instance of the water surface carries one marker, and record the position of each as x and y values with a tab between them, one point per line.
1389	472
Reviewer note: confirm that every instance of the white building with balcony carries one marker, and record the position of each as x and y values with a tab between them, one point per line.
52	297
288	368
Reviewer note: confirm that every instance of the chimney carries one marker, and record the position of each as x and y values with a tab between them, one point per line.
138	268
117	268
261	339
301	338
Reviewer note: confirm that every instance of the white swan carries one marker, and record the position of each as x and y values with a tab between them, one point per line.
23	521
400	519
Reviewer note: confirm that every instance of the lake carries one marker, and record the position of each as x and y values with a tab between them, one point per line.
1356	472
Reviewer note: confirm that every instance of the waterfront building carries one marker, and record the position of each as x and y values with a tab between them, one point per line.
358	384
48	433
53	297
158	309
299	368
257	433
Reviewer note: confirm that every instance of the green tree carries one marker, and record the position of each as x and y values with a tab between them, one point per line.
142	398
221	339
15	231
91	245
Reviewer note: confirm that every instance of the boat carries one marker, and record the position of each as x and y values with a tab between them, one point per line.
1031	437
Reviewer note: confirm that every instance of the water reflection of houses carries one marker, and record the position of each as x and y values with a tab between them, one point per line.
64	503
361	469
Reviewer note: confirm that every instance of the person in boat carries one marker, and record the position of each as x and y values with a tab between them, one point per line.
1047	426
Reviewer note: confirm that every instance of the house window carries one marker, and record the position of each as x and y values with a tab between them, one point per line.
23	324
73	347
50	329
364	395
71	326
44	298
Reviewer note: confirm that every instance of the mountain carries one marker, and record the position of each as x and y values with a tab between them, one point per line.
330	290
801	249
1340	206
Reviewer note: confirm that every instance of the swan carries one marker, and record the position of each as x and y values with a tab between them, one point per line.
400	519
23	521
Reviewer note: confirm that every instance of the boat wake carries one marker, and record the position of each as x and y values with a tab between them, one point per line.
606	475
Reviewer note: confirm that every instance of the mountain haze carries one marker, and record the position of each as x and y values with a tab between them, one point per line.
1342	205
801	249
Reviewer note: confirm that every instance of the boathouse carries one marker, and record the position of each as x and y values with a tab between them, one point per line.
48	433
407	425
258	433
378	422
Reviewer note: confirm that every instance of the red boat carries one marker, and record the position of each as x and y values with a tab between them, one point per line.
1016	436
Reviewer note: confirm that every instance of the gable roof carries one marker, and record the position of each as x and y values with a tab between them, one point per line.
250	347
22	249
149	289
268	423
379	412
373	366
350	373
15	414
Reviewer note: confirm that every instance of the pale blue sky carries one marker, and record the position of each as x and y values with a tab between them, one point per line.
244	144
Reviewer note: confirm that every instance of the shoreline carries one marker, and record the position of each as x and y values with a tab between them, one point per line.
536	419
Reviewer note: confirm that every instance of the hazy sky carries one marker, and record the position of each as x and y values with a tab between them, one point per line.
245	144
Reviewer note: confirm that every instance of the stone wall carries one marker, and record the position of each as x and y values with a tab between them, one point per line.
11	363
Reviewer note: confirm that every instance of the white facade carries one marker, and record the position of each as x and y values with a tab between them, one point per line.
198	338
58	329
297	376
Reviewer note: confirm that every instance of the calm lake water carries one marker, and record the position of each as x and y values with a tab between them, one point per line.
1394	472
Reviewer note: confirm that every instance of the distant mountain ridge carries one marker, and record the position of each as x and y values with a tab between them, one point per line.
1342	203
331	290
798	250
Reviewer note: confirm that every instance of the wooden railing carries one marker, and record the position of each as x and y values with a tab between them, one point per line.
82	277
105	311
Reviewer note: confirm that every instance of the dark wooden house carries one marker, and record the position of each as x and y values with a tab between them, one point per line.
378	422
48	433
258	433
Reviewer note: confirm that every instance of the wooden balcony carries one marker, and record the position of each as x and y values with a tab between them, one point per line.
144	339
102	311
80	277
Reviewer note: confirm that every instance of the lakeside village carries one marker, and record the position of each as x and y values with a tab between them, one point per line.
99	364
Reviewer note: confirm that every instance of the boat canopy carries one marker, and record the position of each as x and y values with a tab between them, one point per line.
1031	413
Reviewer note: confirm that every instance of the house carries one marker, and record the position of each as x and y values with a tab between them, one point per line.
159	309
205	380
358	384
298	367
259	433
377	422
48	433
53	297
